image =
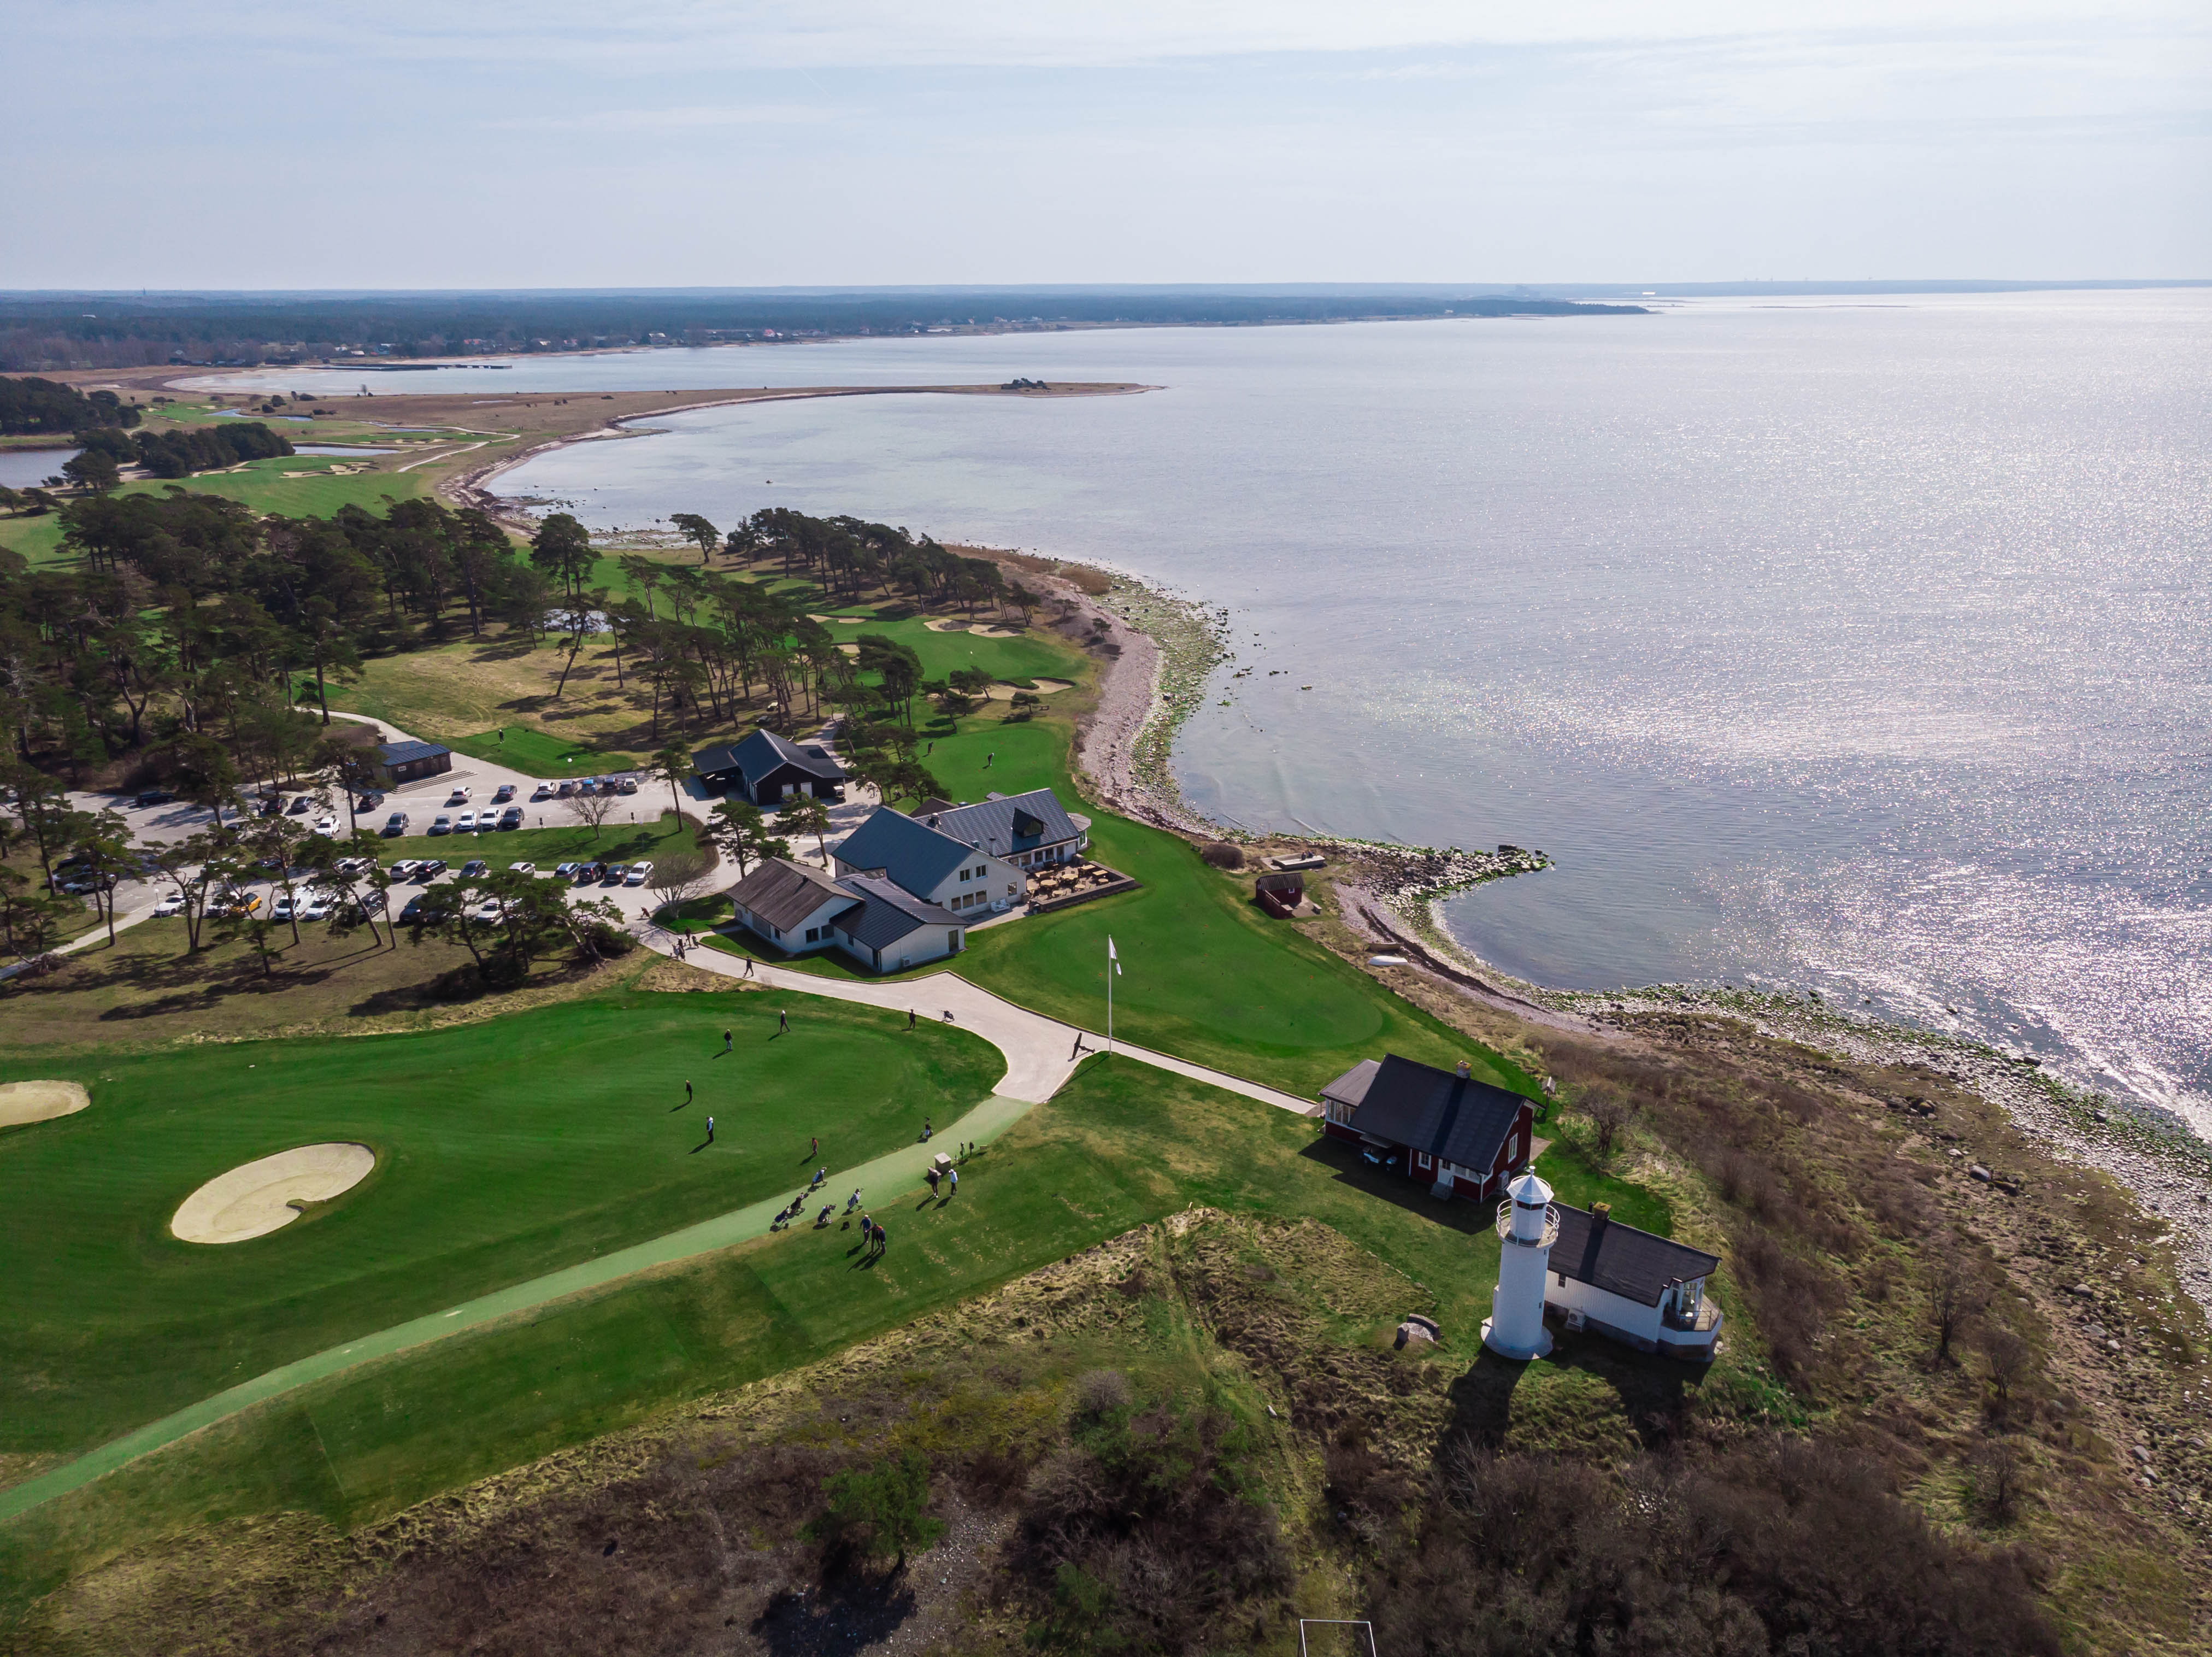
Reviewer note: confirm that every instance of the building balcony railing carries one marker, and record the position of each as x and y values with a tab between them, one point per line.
1706	1318
1506	1226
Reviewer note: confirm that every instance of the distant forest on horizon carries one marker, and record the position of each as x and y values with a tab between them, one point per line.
43	332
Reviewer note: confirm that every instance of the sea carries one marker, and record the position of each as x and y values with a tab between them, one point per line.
1856	645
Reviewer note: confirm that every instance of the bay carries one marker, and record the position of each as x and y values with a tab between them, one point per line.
1854	645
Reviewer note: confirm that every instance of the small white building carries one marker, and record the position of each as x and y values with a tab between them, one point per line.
1593	1272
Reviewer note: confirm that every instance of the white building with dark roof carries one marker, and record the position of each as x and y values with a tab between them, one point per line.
800	909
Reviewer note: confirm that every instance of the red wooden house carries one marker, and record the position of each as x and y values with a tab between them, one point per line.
1459	1137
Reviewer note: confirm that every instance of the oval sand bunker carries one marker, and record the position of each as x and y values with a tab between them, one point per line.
256	1199
39	1101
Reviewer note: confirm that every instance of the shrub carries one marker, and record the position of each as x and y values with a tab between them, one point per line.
1222	855
883	1509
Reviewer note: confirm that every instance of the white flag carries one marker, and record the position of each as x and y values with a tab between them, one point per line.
1111	956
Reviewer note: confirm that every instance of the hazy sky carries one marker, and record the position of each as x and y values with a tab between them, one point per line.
560	143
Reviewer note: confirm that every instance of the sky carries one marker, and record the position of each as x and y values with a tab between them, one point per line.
247	144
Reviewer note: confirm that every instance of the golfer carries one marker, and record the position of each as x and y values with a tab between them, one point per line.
710	1131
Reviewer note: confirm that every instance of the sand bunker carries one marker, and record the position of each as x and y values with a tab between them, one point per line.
1044	687
850	650
256	1199
39	1101
994	632
842	621
940	624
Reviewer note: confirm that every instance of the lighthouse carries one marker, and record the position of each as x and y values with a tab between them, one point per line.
1527	1226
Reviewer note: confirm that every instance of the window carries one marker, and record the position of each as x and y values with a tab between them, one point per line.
813	935
965	875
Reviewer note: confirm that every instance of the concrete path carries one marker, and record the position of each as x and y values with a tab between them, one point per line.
883	1178
1040	1052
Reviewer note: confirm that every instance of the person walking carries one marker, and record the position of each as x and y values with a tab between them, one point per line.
988	758
932	1177
782	1022
814	1147
868	1233
749	967
883	1239
953	1176
853	1200
725	1040
910	1018
710	1131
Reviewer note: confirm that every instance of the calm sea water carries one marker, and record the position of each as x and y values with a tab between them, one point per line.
1861	647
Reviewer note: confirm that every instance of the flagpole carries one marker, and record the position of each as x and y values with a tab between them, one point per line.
1110	967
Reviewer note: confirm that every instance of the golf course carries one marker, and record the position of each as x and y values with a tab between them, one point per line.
504	1151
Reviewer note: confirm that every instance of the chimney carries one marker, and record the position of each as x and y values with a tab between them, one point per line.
1463	1069
1600	1213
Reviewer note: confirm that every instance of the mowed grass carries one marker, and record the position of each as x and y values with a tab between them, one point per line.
1120	1145
505	1150
1206	975
298	486
539	754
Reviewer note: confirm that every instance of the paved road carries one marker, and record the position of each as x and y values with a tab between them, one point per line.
1041	1051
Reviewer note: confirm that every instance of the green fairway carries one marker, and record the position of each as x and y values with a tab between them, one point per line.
1122	1144
534	753
505	1150
297	486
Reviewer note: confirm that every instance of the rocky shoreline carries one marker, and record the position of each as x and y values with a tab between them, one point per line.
1165	647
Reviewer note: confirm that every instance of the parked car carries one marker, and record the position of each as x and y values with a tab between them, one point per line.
612	875
374	903
522	868
587	872
413	912
444	824
465	823
431	868
238	903
315	907
154	797
489	910
327	823
543	791
282	909
405	868
368	802
639	874
301	802
170	906
396	823
511	817
273	806
473	868
566	791
459	796
502	794
350	866
567	871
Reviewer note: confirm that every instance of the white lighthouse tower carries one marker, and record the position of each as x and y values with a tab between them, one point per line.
1527	1226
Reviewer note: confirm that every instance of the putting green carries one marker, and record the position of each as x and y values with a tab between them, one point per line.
504	1151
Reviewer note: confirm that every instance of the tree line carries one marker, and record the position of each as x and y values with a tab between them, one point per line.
32	406
184	450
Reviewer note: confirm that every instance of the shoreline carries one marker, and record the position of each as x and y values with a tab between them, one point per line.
1390	895
467	488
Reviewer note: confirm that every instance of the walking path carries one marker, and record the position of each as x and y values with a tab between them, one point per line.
1040	1050
1040	1053
887	1176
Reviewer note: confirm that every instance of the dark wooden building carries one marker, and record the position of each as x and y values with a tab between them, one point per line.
1459	1137
1280	893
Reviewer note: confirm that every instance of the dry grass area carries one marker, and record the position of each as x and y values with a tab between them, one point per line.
2063	1415
460	689
146	989
1179	1440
